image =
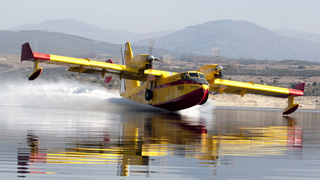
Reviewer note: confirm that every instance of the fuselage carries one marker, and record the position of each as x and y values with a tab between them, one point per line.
172	91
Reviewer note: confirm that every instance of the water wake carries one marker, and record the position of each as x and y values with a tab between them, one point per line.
72	94
63	94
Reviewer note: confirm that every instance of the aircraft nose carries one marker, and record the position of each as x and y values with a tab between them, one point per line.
205	97
205	86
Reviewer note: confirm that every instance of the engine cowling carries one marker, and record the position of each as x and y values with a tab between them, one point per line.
211	71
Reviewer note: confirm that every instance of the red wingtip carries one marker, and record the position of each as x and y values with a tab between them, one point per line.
26	53
109	61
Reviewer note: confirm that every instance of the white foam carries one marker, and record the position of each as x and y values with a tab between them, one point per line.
72	94
63	94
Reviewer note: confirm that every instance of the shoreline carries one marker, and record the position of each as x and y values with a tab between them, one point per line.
258	101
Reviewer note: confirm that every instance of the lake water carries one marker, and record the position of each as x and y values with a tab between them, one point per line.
64	130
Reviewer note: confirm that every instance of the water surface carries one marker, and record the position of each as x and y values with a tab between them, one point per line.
71	131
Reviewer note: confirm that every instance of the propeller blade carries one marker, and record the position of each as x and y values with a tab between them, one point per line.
166	59
151	45
234	65
122	56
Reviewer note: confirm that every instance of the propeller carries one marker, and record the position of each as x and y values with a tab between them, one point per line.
231	66
151	58
234	65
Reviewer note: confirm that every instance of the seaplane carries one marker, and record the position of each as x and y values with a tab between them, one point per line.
166	90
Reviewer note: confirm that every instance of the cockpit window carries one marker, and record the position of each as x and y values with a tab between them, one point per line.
202	76
193	75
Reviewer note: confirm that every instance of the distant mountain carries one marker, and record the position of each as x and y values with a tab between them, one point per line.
79	28
238	39
298	34
63	44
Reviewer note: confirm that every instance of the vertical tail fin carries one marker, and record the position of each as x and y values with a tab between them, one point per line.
129	84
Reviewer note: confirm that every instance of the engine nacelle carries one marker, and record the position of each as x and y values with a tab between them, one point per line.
140	62
211	71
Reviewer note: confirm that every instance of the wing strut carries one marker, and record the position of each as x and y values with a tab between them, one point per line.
36	71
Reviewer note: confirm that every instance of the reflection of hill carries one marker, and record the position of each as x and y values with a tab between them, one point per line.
143	139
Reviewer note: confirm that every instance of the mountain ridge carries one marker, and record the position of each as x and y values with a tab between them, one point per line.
83	29
63	44
238	39
232	38
298	34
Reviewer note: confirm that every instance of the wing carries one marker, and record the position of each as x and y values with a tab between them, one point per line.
83	65
242	88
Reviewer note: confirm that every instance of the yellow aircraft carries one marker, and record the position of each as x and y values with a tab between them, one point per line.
162	89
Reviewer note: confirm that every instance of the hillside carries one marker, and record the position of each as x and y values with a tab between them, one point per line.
83	29
236	39
63	44
298	34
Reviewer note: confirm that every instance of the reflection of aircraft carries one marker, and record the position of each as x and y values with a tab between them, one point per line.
167	90
145	138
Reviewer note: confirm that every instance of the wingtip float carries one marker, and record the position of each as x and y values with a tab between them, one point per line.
166	90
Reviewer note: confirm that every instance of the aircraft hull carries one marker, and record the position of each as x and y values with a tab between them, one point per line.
185	101
172	95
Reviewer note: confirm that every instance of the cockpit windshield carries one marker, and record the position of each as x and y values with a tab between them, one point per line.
192	75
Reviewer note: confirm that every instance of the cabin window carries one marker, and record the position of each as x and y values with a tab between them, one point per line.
185	76
193	75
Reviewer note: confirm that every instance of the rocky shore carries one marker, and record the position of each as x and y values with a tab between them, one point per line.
250	100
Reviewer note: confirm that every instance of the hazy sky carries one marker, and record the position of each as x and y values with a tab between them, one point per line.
151	15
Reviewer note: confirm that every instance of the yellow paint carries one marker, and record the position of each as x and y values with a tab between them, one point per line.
136	70
36	64
290	100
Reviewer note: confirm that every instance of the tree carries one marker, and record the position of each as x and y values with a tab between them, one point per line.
314	84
